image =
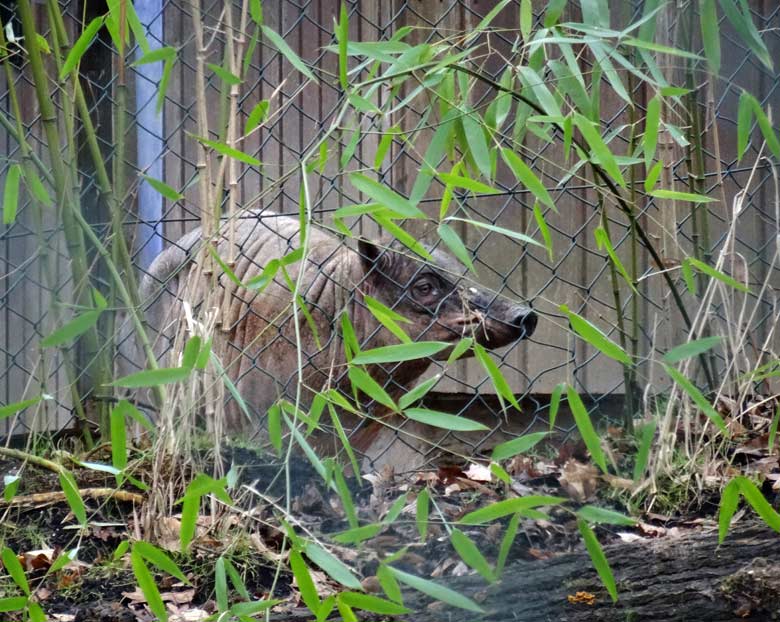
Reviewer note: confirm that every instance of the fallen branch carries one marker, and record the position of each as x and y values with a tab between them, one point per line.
57	496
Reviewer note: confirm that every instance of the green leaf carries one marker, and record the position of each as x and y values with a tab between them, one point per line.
506	544
443	420
11	409
384	145
652	176
223	74
73	496
595	337
773	430
544	230
598	558
691	348
10	486
681	196
13	603
366	602
744	119
594	514
11	194
155	56
471	555
385	196
520	237
334	567
288	53
738	13
603	242
36	187
759	503
304	581
417	392
646	434
717	274
253	607
729	500
506	507
256	11
652	122
555	402
435	591
160	559
274	418
257	116
36	613
163	188
77	326
82	44
229	152
433	155
766	128
119	435
162	88
365	383
153	377
460	181
342	36
516	446
455	244
422	504
400	352
220	585
388	318
477	143
585	426
460	349
358	534
496	377
710	34
148	586
15	570
526	19
702	402
599	149
527	177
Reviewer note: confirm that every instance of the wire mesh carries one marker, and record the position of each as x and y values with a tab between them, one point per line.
34	259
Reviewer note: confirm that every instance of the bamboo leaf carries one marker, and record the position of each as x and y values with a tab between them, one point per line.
160	559
304	581
15	570
691	348
257	116
585	426
599	149
422	505
477	143
358	534
544	230
435	591
155	56
455	244
595	337
148	586
555	402
738	13
702	402
766	128
652	176
163	188
162	88
744	120
228	151
400	352
470	554
517	446
153	377
417	392
729	500
13	603
496	377
367	602
598	558
603	241
758	502
460	181
384	145
520	237
11	194
652	122
11	409
281	45
717	274
710	34
342	36
223	74
73	496
595	514
499	509
646	434
385	196
388	318
119	435
220	585
363	382
773	430
527	177
443	420
506	544
333	566
681	196
252	608
36	187
81	46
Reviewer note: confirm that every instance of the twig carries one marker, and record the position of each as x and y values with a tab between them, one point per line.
57	496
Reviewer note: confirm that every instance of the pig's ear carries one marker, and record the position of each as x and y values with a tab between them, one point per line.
371	254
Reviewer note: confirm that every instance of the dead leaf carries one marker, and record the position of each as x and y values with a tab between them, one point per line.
478	473
579	480
191	615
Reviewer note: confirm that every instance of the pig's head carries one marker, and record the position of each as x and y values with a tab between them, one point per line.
438	302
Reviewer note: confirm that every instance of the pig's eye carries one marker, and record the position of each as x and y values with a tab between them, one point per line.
425	289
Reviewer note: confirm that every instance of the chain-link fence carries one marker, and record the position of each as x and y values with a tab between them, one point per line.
160	143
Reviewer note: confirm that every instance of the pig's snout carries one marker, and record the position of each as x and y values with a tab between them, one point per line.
524	321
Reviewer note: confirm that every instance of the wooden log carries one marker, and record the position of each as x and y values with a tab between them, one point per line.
675	579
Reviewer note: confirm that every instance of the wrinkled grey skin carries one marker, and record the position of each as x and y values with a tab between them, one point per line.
257	343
